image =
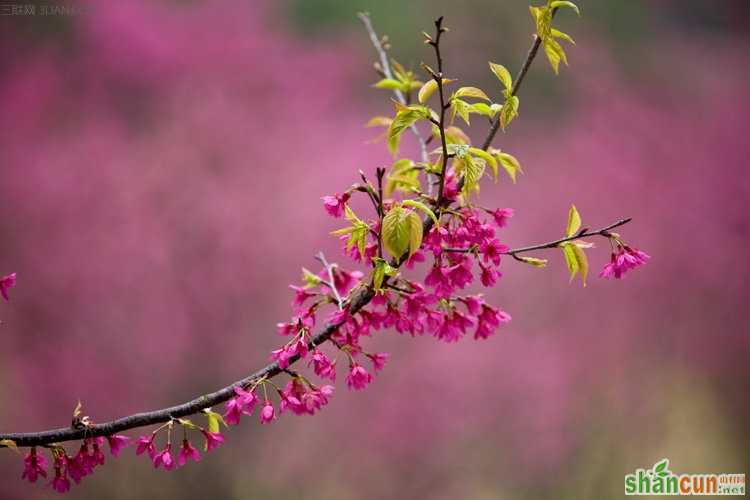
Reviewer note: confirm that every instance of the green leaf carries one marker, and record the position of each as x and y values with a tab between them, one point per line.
213	421
482	108
502	73
379	121
562	36
9	443
509	111
455	135
570	259
462	108
555	54
310	279
424	208
186	422
381	270
510	164
389	84
471	92
533	261
583	262
560	3
401	232
487	158
404	119
472	170
574	221
403	177
427	90
543	20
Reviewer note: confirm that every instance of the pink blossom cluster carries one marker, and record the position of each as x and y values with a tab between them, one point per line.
623	260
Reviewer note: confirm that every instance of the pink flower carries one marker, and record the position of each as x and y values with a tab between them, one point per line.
146	443
460	274
213	440
323	366
489	276
117	443
378	360
439	280
286	329
164	457
60	483
473	304
489	321
267	414
491	250
625	260
244	402
6	283
34	465
358	378
300	295
335	204
187	451
501	216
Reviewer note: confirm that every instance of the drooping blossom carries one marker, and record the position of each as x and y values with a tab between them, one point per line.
213	440
187	451
146	443
624	260
243	402
501	216
267	413
117	443
378	360
34	465
60	482
358	378
6	283
323	367
489	321
335	204
164	457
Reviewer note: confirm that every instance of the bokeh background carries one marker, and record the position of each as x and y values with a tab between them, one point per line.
162	167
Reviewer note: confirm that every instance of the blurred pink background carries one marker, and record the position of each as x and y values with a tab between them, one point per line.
162	168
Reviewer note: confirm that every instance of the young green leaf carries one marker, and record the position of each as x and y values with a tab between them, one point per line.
509	111
389	84
562	36
560	3
379	121
488	158
404	119
310	279
472	170
403	176
482	108
424	208
574	221
9	443
426	91
214	419
510	164
471	92
533	261
583	262
380	271
570	259
462	108
401	232
502	73
555	54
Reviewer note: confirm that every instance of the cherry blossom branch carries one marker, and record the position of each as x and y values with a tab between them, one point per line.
359	298
438	77
583	233
517	85
331	283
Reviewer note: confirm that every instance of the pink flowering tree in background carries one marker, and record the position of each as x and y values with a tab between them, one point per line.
422	241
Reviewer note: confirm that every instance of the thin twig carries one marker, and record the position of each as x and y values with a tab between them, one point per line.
386	65
438	77
331	283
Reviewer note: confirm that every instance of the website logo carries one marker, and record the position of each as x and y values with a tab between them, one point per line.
659	480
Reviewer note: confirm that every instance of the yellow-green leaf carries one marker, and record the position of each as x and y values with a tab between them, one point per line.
510	164
424	208
462	108
426	91
487	158
401	232
570	259
561	3
562	36
472	170
583	262
9	443
455	135
555	54
502	73
574	221
310	279
389	84
404	119
379	121
509	111
471	92
533	261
